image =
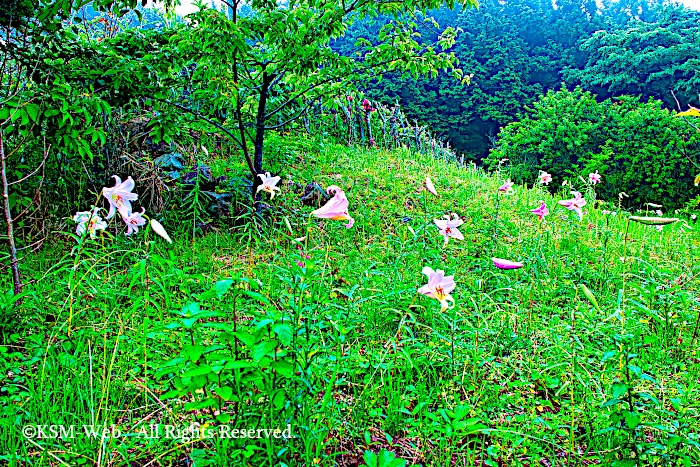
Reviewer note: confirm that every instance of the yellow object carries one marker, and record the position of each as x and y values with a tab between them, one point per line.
691	112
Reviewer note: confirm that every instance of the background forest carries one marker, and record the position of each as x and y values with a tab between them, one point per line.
516	51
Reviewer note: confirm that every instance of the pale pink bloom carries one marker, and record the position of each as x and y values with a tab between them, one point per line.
336	208
429	185
89	221
439	286
133	220
594	177
659	227
575	204
448	227
268	184
659	212
160	230
120	195
545	178
541	211
505	264
507	187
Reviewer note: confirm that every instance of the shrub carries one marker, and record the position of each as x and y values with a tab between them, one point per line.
638	147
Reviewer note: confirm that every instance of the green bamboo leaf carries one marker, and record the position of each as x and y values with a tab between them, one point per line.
654	220
589	295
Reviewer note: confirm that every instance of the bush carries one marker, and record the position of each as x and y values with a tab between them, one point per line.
638	147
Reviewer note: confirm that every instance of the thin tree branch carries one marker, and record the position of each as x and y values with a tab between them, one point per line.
211	122
8	218
46	155
304	109
294	98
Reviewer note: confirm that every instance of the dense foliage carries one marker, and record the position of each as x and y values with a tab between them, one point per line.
648	58
518	49
69	83
639	147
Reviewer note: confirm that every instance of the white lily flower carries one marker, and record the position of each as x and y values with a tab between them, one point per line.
268	184
120	195
133	220
438	287
448	227
89	221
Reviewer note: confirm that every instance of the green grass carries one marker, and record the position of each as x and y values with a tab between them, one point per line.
525	370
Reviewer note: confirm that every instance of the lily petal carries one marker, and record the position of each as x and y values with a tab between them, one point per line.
429	185
506	264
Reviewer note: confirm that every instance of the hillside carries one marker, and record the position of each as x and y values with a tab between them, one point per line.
586	355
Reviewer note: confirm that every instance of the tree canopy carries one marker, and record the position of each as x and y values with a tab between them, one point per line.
649	58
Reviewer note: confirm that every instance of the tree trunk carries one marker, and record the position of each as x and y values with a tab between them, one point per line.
260	137
8	218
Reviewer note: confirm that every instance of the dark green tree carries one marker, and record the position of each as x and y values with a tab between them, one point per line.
516	50
648	58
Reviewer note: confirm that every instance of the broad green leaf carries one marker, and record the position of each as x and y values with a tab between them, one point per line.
224	392
197	371
33	111
284	333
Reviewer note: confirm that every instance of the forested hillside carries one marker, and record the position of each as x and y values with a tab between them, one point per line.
517	50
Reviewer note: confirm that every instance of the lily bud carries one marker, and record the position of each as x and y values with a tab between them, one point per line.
160	230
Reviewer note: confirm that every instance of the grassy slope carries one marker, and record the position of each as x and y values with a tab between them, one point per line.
523	353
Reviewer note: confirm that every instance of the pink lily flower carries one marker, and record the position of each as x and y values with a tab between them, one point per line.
448	227
575	204
505	264
89	221
439	286
133	221
336	208
594	177
120	195
545	178
541	211
507	187
268	184
429	185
